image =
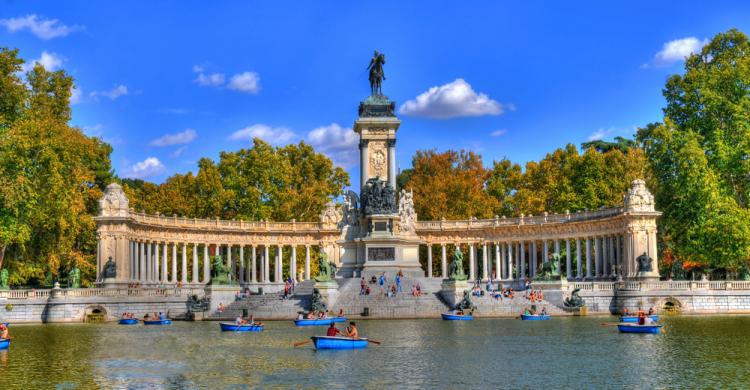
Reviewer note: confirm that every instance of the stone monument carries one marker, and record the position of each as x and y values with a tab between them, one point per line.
640	253
453	288
383	237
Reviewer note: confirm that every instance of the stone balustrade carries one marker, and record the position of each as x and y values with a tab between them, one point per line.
99	292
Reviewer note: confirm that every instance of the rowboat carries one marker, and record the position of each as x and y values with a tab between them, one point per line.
4	343
319	322
653	317
329	342
627	327
535	317
6	324
230	327
457	317
128	321
157	322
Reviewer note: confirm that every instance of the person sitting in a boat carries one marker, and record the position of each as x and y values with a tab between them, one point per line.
527	312
146	317
351	330
300	316
647	320
641	318
310	315
544	311
651	311
341	313
332	330
4	332
322	315
239	321
625	312
162	316
459	312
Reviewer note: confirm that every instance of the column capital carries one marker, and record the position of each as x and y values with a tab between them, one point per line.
363	143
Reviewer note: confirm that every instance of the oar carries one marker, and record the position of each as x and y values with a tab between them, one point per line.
610	323
301	343
373	341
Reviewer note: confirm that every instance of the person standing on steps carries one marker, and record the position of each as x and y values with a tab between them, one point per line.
398	282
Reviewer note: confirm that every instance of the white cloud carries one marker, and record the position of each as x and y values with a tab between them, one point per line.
338	143
211	80
498	133
50	61
675	51
94	130
601	133
273	135
178	152
181	138
451	100
248	82
144	169
76	94
113	93
39	26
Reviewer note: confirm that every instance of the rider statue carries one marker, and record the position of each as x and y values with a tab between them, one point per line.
376	73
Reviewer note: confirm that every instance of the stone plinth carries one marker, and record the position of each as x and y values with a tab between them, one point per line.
452	291
329	290
218	293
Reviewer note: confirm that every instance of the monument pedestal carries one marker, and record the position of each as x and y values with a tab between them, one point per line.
220	293
329	290
452	291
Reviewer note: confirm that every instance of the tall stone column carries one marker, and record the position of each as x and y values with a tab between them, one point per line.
588	258
241	264
557	247
164	263
230	264
509	260
140	275
598	256
195	279
522	258
533	260
429	260
174	262
206	264
472	259
307	262
266	264
498	261
619	255
579	265
252	265
364	155
157	264
444	262
184	278
568	259
149	261
392	162
293	263
612	260
278	278
545	252
485	263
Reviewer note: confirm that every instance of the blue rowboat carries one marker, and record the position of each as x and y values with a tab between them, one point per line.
4	343
157	322
626	327
328	342
128	321
6	323
457	317
230	327
535	317
654	317
319	322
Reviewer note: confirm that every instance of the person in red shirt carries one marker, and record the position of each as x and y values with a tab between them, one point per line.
332	330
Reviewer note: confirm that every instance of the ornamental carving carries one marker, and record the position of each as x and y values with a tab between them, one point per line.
114	203
378	197
378	159
639	198
330	215
406	212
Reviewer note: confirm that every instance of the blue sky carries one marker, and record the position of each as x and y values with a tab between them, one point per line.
169	82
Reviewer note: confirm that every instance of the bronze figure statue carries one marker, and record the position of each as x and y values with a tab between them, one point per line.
376	73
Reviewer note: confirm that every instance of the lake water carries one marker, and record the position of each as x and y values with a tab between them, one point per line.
703	352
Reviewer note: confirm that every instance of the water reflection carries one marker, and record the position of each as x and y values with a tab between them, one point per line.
488	353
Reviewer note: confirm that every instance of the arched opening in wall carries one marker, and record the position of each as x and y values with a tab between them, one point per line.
95	314
671	306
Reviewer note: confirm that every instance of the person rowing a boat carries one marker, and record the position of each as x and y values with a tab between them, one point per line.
239	321
4	332
332	330
351	331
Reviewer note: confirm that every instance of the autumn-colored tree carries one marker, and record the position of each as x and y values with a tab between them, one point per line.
450	185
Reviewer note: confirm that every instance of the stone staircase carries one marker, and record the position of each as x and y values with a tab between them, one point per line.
402	305
269	306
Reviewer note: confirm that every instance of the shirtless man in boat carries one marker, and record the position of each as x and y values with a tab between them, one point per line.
351	331
4	332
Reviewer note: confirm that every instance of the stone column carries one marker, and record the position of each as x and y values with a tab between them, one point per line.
588	258
579	266
498	261
392	163
278	278
252	265
545	252
184	278
157	264
363	163
141	262
444	263
429	260
509	260
485	263
149	261
557	247
568	259
533	260
293	263
472	259
164	260
230	264
266	264
522	258
619	254
206	265
174	262
307	262
597	257
241	264
194	278
612	260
